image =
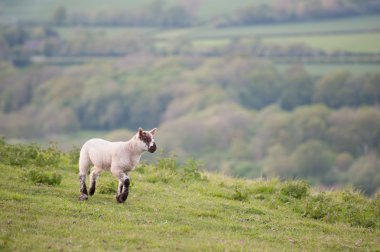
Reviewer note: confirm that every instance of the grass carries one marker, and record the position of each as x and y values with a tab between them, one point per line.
280	29
41	10
358	42
176	207
323	34
321	69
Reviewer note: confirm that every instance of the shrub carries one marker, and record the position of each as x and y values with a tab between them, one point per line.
318	207
167	168
240	194
348	206
22	155
191	171
39	177
107	188
295	189
74	155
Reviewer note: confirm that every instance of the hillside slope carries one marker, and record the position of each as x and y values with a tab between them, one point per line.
172	207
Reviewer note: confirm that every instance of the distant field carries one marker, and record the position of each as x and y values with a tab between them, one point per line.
351	35
109	32
320	69
40	10
344	24
358	42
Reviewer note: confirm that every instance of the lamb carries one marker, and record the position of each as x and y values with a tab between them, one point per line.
117	157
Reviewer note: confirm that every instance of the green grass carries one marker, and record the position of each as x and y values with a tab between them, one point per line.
175	207
41	10
321	69
68	32
358	42
318	26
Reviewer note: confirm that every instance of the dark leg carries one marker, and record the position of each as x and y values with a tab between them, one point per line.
83	188
122	197
93	177
120	188
92	188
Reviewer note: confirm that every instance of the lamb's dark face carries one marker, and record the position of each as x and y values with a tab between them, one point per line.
147	137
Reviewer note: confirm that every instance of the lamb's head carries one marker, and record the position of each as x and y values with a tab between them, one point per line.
146	138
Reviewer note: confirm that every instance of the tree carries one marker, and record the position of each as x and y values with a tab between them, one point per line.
340	89
364	173
355	130
59	15
314	160
297	88
176	16
263	88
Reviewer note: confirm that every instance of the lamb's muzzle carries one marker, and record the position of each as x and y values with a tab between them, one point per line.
152	148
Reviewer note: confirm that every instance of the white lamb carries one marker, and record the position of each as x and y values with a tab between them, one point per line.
118	157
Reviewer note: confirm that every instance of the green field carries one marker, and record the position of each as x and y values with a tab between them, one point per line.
173	207
41	10
281	29
316	34
358	42
321	69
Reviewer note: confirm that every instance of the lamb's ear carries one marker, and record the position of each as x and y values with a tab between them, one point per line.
141	132
153	131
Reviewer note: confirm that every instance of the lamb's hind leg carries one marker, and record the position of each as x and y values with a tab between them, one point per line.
84	164
83	188
93	177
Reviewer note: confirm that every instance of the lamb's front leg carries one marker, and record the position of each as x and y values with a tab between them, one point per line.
123	188
120	187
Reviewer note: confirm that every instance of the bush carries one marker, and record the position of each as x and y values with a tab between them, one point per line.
295	189
191	171
167	169
240	194
39	177
348	206
108	188
318	207
167	163
31	154
74	155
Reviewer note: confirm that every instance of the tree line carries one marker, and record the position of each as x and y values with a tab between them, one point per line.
111	100
155	14
21	43
292	10
241	116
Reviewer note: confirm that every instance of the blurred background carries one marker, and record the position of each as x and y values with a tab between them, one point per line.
257	88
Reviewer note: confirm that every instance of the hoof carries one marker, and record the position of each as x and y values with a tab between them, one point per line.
121	198
83	197
92	191
118	199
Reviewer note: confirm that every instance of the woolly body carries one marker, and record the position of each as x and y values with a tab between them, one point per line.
118	157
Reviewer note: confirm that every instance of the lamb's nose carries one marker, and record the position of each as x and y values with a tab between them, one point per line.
152	148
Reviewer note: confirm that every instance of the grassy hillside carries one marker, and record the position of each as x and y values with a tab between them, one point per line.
173	207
